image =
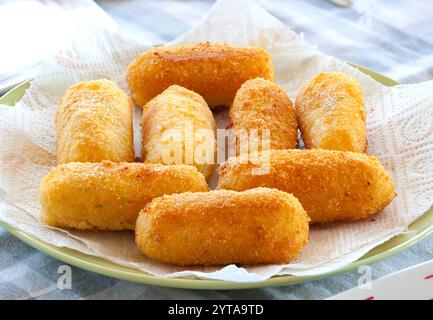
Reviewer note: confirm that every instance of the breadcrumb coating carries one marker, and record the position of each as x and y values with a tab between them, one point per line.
94	123
331	113
331	185
215	71
183	116
220	227
261	104
107	195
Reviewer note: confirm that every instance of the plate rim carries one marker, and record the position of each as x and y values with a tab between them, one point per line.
105	267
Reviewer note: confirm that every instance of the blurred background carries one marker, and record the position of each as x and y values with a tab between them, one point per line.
393	37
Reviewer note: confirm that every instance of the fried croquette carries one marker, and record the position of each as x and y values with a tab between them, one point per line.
220	227
331	113
331	185
262	105
179	128
94	123
107	195
214	71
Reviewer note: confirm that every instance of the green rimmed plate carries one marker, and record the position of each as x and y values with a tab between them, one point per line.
420	229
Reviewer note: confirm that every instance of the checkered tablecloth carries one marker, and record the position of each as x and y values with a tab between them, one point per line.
393	37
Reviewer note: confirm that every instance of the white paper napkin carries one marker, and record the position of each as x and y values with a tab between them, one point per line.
400	133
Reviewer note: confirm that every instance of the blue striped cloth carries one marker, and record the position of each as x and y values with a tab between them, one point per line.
393	37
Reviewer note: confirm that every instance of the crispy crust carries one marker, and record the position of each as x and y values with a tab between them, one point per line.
261	104
331	113
179	109
94	123
107	195
214	71
331	185
222	227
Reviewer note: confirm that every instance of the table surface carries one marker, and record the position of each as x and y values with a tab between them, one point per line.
393	37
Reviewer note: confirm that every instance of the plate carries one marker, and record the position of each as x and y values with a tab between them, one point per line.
420	229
